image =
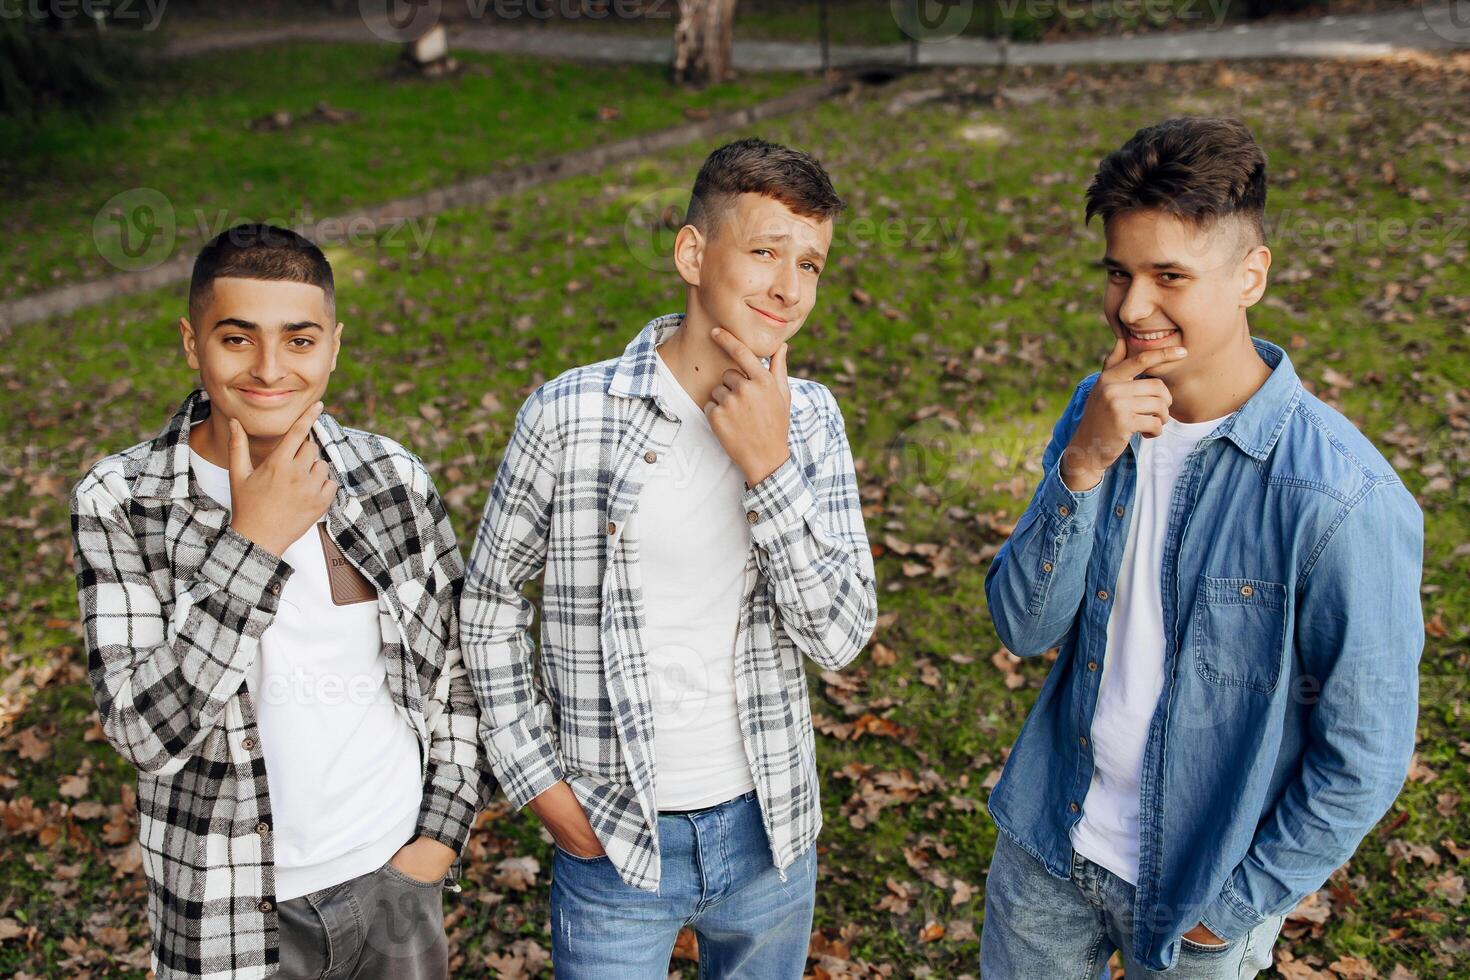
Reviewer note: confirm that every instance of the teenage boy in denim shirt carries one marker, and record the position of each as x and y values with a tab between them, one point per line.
1231	572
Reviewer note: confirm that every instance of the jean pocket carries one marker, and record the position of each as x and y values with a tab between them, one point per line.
1240	632
391	872
1200	949
579	859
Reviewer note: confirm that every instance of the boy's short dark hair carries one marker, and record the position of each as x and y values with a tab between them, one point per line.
1198	169
258	251
754	166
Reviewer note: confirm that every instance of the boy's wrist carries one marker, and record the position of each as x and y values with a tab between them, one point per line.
1079	480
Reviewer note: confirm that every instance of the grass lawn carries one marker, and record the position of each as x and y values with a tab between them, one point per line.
187	134
961	305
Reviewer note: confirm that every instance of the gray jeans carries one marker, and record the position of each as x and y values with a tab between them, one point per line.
383	925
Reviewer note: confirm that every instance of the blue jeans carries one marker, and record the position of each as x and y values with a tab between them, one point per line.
717	877
1039	925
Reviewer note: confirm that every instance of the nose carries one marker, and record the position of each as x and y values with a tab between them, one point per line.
786	285
1138	304
267	368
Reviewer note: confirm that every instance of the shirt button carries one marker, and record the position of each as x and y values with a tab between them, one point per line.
248	742
612	527
752	516
1082	741
1092	665
1046	566
1063	510
1247	591
265	906
262	828
650	456
275	588
1073	807
1102	594
1118	510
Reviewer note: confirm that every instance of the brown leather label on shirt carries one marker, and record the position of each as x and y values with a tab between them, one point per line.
348	584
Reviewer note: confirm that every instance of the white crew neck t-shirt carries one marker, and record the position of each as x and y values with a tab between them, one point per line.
693	540
341	761
1133	668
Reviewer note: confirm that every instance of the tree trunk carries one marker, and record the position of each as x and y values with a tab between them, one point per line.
702	41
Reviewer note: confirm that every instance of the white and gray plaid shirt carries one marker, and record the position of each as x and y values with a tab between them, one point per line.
569	481
174	603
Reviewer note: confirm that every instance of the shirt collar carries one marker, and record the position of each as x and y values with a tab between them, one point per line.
164	473
636	373
1256	426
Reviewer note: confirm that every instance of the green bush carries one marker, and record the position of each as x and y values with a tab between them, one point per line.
47	63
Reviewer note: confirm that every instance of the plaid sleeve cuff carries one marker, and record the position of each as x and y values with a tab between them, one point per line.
245	571
528	769
451	799
778	503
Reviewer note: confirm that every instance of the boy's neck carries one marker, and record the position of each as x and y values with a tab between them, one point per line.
694	357
1216	388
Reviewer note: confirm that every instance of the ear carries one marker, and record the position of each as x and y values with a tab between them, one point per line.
186	334
336	345
689	247
1254	273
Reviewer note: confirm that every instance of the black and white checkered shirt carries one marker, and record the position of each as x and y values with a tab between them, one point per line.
569	481
174	603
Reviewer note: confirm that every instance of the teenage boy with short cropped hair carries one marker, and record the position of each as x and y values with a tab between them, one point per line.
269	605
1231	572
696	516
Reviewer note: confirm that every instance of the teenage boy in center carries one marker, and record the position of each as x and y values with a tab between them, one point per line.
695	514
1231	571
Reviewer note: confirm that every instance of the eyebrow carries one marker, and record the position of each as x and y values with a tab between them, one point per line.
1108	262
232	321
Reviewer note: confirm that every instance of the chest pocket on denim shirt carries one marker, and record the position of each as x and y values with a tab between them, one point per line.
1240	632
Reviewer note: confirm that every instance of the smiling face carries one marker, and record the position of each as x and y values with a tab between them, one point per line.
756	273
1174	283
264	351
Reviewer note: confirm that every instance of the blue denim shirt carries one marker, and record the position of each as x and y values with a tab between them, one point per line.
1293	629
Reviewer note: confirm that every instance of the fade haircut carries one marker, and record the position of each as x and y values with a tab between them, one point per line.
754	166
258	251
1198	169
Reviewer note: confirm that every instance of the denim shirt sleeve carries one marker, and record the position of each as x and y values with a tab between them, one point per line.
1359	634
1036	582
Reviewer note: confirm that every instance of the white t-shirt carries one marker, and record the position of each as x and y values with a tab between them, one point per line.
693	541
1133	668
341	761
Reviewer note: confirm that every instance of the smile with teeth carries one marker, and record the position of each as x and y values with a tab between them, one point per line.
1151	335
